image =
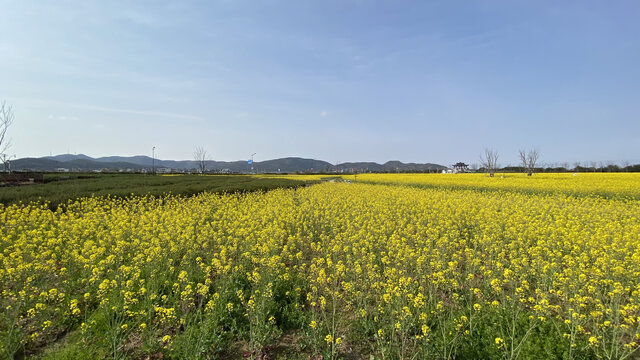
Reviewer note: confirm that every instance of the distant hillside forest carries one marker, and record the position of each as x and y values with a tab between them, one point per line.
144	164
79	163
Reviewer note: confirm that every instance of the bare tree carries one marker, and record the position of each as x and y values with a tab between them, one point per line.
528	160
489	161
576	166
200	157
532	157
523	160
6	118
6	162
625	165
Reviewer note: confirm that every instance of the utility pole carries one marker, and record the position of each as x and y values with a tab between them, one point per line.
153	160
252	161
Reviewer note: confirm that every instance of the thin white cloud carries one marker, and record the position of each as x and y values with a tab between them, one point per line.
138	18
62	117
138	112
116	110
324	113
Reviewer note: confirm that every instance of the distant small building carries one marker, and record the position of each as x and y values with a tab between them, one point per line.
460	167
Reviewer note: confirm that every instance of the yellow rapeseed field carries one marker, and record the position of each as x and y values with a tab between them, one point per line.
617	185
385	267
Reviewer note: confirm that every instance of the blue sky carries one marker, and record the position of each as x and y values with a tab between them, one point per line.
340	81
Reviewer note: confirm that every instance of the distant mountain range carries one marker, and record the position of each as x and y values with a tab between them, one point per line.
81	162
